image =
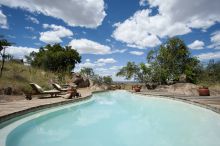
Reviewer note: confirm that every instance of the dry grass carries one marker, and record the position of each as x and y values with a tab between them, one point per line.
18	76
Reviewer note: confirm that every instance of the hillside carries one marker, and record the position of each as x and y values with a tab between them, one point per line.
17	77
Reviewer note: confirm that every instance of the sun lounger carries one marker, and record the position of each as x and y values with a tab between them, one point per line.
40	91
59	88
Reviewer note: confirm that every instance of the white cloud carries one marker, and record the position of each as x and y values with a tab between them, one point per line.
215	40
106	60
30	37
85	13
29	28
19	51
119	51
197	45
100	70
87	60
138	53
115	67
3	21
95	65
208	56
55	34
143	2
32	19
195	14
85	46
136	35
11	36
107	40
144	29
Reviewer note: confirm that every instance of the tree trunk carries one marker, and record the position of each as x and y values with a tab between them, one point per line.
3	62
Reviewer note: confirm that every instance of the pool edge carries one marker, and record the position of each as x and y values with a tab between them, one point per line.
185	100
10	116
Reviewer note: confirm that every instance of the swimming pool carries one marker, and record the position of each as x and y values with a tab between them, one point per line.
117	118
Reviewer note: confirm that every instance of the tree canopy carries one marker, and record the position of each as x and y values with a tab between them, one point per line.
86	71
3	45
97	79
173	59
165	64
54	58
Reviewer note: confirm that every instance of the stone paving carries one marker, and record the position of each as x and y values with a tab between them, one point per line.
209	102
12	109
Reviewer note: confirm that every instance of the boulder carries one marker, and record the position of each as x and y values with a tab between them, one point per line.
99	88
187	89
81	81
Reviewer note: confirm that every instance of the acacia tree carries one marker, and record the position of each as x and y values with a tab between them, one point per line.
173	59
88	72
166	64
140	72
3	45
107	80
54	58
97	79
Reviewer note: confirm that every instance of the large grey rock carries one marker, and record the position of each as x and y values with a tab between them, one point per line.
81	81
99	88
188	89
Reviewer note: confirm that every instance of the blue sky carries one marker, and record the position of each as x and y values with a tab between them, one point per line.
111	32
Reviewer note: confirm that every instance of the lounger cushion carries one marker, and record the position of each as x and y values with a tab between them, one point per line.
39	88
58	86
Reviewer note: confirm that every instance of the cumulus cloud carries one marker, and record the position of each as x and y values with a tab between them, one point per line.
119	51
19	51
100	69
197	45
85	13
138	53
106	60
55	34
209	55
215	40
95	65
85	46
3	21
143	26
32	19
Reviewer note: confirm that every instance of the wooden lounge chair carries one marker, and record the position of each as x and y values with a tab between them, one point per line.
40	91
59	88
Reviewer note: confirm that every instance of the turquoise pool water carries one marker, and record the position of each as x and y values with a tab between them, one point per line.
118	118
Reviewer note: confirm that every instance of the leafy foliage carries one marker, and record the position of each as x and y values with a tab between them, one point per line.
107	80
3	45
210	74
97	79
88	72
173	59
166	64
54	58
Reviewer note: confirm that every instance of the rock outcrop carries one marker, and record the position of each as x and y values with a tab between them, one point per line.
81	81
188	89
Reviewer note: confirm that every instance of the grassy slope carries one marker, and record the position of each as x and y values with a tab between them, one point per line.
18	76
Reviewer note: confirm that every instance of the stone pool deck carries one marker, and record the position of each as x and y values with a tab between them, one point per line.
209	102
9	110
